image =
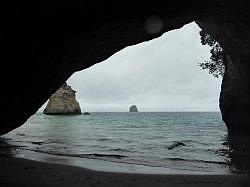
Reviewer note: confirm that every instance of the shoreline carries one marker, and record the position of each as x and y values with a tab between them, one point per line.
23	172
110	166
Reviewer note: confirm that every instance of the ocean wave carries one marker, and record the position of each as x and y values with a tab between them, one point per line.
121	150
196	142
196	160
12	146
104	155
88	155
20	134
117	158
103	139
37	143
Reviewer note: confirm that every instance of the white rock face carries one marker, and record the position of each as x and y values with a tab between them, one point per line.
133	108
63	102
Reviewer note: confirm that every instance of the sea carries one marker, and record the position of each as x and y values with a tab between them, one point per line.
139	142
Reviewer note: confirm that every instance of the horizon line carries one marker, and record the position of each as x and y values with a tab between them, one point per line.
150	111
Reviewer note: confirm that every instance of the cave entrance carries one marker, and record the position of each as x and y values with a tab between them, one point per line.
178	128
159	75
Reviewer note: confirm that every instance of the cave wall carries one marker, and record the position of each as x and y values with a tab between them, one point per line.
231	27
45	42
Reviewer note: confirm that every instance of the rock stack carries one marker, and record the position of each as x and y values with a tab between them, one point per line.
63	102
133	108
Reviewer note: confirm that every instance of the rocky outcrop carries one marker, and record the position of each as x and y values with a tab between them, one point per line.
63	102
231	28
176	144
133	108
44	42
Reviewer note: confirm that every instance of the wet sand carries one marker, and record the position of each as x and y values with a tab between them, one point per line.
23	172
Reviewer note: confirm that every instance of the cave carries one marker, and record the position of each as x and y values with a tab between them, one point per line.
44	43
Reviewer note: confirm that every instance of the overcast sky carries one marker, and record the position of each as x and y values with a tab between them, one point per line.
159	75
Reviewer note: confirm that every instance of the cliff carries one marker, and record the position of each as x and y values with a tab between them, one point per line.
63	102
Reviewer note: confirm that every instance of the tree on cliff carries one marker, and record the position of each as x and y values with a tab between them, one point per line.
216	64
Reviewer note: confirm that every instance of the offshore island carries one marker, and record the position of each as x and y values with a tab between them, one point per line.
133	108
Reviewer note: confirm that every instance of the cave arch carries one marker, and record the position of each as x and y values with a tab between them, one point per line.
45	42
159	75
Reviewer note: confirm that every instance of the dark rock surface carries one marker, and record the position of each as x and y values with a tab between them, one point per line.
44	42
133	108
231	27
63	102
176	144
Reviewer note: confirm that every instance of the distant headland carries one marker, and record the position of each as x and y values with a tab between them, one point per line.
133	108
63	102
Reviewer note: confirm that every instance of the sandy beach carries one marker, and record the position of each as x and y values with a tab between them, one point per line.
23	172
